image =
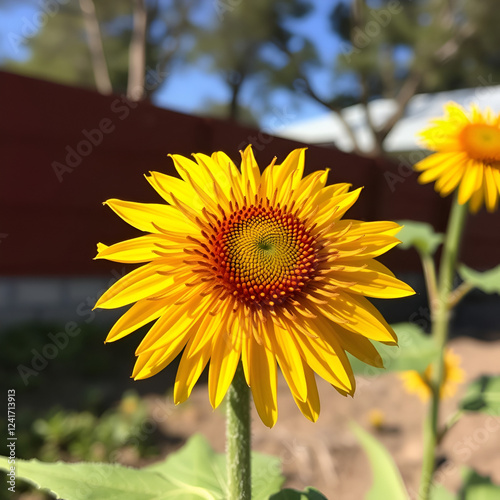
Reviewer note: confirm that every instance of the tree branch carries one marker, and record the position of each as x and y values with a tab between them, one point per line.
358	19
409	88
137	53
94	41
336	109
407	91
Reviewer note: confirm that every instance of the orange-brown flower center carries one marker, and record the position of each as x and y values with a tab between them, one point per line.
482	142
263	254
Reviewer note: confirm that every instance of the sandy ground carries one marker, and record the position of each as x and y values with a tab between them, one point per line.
326	454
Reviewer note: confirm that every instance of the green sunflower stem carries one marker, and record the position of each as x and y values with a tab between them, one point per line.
238	452
440	328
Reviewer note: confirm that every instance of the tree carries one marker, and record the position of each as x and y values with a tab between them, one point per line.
443	41
242	42
106	45
388	49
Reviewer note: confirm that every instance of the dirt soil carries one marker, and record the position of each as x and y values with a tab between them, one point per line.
327	456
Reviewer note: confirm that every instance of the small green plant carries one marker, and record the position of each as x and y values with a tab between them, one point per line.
74	435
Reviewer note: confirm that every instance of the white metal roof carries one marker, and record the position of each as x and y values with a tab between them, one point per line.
328	129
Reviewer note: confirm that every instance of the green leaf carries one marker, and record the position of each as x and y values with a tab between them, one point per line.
483	395
194	472
416	351
289	494
488	282
197	464
476	487
387	482
89	481
419	235
439	492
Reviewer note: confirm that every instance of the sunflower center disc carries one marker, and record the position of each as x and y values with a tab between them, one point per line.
482	142
263	254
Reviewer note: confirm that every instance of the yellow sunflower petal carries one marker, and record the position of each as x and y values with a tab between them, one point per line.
311	406
358	346
373	280
141	313
310	186
289	360
468	183
176	320
137	285
233	176
360	316
476	201
134	251
323	359
189	371
261	373
226	353
490	190
148	216
166	185
250	173
151	363
275	176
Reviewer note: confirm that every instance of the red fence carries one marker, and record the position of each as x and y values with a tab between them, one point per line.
63	151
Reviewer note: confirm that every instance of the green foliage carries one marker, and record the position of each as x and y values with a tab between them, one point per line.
488	281
439	492
387	482
289	494
83	436
59	51
89	481
198	465
477	487
252	41
194	472
420	235
415	352
445	60
483	395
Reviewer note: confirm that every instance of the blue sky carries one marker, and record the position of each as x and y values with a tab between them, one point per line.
189	89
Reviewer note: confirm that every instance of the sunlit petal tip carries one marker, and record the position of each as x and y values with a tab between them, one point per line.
237	265
100	248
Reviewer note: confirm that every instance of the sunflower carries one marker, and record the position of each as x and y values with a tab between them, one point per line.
467	147
261	268
419	384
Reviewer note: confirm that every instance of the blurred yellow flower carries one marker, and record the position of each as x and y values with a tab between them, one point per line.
418	384
376	417
257	267
467	147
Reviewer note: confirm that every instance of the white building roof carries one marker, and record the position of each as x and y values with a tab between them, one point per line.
328	129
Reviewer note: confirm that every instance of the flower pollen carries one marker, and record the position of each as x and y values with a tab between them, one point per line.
482	141
262	254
